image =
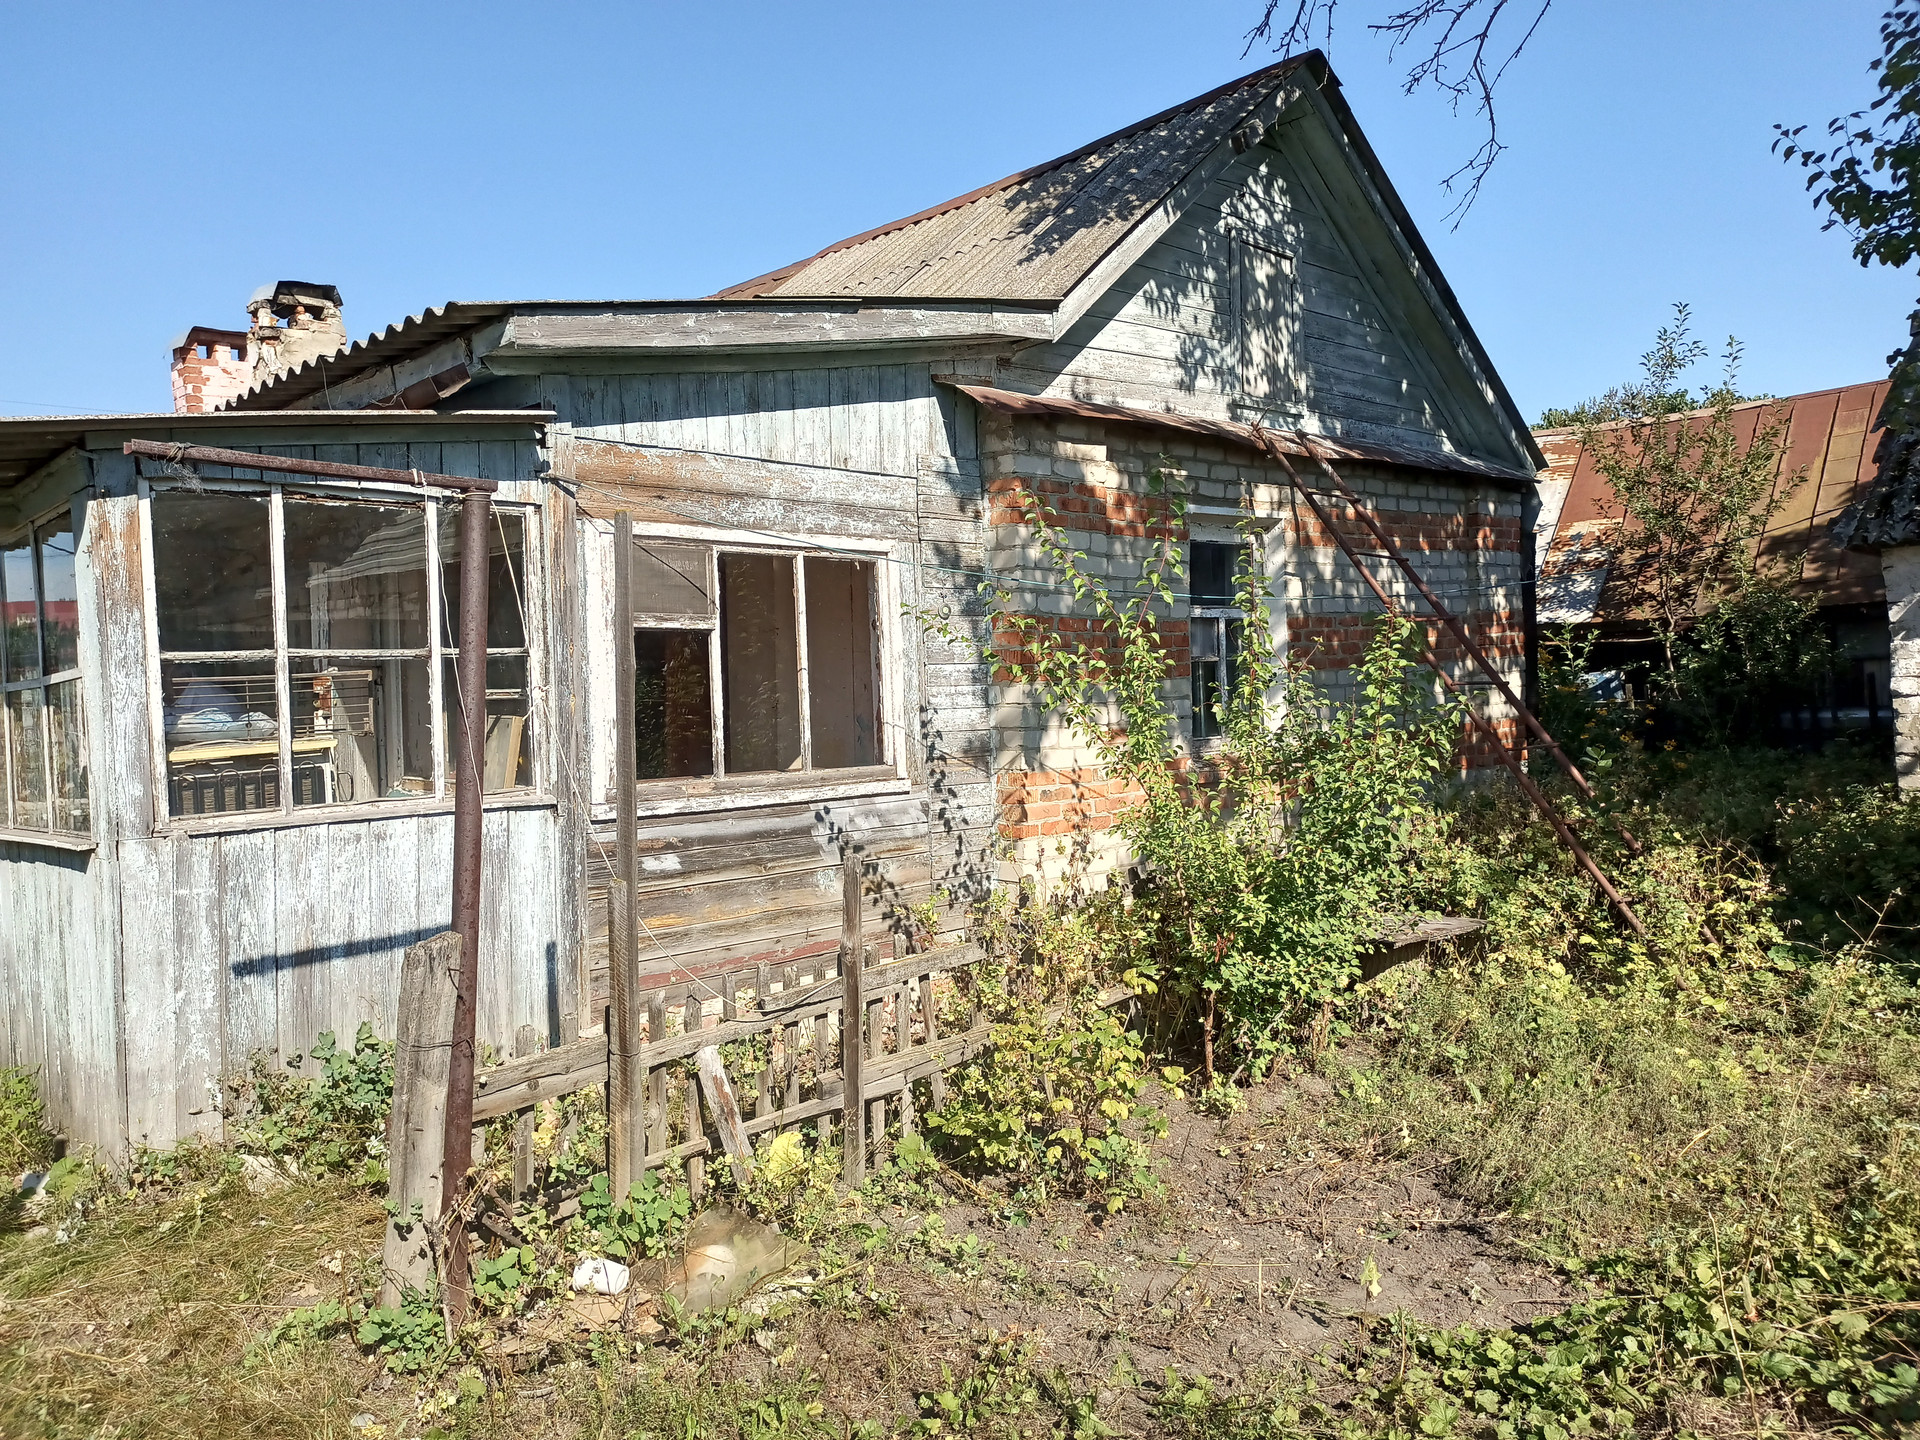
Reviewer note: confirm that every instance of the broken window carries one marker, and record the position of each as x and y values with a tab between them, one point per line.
1213	631
43	757
346	695
785	644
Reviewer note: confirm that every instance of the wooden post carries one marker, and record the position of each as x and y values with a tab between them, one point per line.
526	1041
853	1124
416	1133
624	1099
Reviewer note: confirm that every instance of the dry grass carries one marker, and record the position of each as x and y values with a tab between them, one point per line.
140	1325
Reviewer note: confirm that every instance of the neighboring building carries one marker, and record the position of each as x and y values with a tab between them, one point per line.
1885	522
229	807
1586	577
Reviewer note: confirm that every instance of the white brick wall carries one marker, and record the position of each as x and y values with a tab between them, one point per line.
1901	569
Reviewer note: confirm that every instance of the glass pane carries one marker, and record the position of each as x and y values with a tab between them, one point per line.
1213	573
760	666
362	730
356	576
840	669
71	811
506	752
60	602
212	571
672	704
22	612
28	755
222	736
670	580
506	578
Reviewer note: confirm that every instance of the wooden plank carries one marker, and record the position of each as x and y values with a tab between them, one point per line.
726	1112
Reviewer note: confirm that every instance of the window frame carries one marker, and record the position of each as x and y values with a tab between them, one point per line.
441	649
1207	732
55	517
723	789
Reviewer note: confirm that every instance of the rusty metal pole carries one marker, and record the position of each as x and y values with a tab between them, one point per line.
476	513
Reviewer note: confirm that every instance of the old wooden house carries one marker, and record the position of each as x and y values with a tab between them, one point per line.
227	689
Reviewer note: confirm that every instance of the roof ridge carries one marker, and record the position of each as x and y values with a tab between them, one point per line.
1709	409
786	272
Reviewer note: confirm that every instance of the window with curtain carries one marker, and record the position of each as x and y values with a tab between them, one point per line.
43	751
752	662
307	648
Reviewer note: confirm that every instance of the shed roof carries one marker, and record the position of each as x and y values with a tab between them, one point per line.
1831	434
28	442
1034	234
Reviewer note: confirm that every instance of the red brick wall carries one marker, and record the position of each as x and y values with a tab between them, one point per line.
1079	505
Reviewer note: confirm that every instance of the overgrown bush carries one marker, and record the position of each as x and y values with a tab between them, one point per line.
1273	864
1046	1106
326	1111
25	1143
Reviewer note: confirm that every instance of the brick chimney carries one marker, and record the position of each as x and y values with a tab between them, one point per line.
210	367
294	321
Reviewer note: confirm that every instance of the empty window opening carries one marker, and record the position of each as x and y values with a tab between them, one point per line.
781	650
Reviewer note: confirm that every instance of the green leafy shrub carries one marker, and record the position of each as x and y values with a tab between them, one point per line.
332	1121
1272	865
1046	1103
411	1337
653	1214
25	1142
1851	863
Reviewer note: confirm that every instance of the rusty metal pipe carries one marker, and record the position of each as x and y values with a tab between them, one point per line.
247	460
476	513
1526	782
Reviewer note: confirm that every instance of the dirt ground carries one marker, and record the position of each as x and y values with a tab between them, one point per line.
1253	1259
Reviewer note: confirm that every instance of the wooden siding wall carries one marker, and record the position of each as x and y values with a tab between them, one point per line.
876	453
262	940
138	975
1168	333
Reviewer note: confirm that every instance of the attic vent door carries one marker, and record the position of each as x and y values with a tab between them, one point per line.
1266	299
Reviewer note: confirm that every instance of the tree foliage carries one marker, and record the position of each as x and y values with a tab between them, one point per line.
1696	498
1866	169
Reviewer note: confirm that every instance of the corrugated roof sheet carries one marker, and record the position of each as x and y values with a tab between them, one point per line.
1831	433
395	343
1032	235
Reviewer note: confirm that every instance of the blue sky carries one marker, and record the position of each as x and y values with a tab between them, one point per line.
158	161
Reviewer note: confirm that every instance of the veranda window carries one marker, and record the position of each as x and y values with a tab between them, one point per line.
307	649
43	754
1214	631
753	662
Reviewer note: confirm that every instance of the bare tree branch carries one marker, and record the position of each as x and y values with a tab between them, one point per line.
1466	54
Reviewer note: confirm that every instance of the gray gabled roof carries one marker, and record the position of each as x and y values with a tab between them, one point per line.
1036	234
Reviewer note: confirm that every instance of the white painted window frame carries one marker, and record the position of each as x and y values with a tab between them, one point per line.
44	684
436	653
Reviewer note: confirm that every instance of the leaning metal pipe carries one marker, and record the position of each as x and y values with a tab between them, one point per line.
471	705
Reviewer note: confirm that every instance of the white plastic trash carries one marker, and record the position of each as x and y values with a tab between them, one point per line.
601	1276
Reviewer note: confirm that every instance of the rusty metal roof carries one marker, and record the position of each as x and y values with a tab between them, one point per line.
1034	234
1831	435
1014	402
